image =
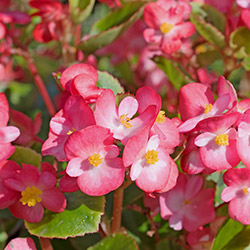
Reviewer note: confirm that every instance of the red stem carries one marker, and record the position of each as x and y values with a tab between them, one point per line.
45	244
41	87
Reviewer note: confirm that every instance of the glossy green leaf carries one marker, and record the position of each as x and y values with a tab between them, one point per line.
208	31
110	28
82	215
174	74
117	242
239	42
107	81
229	230
80	10
116	17
215	17
240	241
27	156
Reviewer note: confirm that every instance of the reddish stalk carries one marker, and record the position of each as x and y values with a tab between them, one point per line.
117	207
41	87
38	80
45	244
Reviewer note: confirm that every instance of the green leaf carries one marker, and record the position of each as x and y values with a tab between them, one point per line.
27	156
110	29
174	74
82	215
246	63
107	81
230	229
208	31
116	17
240	241
80	10
215	17
239	42
116	241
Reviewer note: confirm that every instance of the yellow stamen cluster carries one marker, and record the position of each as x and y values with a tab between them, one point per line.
95	160
151	156
245	190
166	28
161	117
124	119
71	131
208	108
222	140
187	202
31	196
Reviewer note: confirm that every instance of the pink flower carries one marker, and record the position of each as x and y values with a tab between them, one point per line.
243	146
33	191
237	194
28	128
196	103
119	120
52	13
111	3
7	133
152	168
21	244
163	126
245	16
80	79
74	116
218	141
94	160
187	205
167	26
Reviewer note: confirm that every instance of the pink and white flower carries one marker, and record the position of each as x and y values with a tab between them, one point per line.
119	120
166	24
237	193
93	159
152	168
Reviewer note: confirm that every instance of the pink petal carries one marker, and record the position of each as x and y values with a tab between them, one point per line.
8	134
204	138
74	70
68	184
228	194
77	166
6	150
2	30
147	96
30	214
136	169
54	200
153	142
193	186
21	244
46	181
128	106
220	104
193	98
102	179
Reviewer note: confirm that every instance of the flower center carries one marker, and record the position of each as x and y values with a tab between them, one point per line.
95	160
151	156
30	196
208	108
245	190
186	202
222	140
166	28
124	119
161	117
71	131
